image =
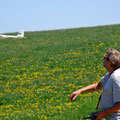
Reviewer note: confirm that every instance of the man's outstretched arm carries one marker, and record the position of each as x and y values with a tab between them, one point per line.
90	88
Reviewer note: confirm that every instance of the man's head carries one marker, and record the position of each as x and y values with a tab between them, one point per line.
112	58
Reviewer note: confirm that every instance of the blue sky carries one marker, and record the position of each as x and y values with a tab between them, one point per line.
38	15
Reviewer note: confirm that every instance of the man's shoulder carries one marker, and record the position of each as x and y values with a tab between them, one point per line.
116	72
116	75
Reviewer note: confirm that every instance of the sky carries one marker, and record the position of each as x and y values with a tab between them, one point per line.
40	15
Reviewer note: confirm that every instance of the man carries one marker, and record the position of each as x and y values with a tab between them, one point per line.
110	85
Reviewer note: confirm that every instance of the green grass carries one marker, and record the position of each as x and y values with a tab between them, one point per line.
39	72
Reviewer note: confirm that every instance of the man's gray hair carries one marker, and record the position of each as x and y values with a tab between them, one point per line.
114	57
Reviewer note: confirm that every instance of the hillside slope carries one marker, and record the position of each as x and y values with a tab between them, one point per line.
38	73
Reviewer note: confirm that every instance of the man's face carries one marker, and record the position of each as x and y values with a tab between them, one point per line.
105	62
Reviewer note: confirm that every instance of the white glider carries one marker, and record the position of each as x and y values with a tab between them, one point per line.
19	35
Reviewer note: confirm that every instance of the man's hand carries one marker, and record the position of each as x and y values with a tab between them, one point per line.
108	111
100	115
74	95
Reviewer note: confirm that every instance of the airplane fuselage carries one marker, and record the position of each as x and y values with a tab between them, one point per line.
20	35
8	36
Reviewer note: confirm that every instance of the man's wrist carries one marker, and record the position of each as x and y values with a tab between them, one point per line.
105	112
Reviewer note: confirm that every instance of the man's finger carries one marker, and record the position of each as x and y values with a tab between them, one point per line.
74	98
71	97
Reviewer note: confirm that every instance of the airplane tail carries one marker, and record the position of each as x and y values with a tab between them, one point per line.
21	34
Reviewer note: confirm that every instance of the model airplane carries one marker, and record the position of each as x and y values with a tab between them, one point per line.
19	35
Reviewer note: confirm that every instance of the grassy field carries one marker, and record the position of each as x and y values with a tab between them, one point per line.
38	73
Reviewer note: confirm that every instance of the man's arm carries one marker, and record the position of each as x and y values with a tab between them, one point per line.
106	112
90	88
